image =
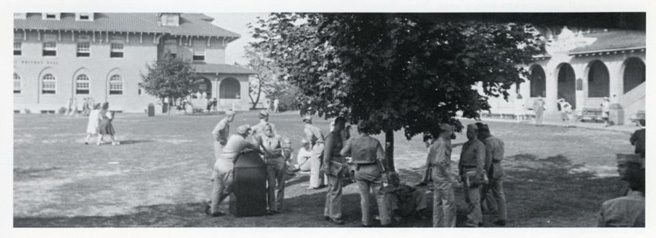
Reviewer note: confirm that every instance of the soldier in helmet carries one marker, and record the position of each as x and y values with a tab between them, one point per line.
492	194
333	167
628	210
471	170
367	157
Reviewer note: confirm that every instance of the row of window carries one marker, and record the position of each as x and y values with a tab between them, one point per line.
83	49
49	84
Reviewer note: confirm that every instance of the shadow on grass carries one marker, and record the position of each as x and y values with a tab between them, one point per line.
129	142
539	192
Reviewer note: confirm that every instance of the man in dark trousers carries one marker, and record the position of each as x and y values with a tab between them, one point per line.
367	157
472	172
492	193
333	166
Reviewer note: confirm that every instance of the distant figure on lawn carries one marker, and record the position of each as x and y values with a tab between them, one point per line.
276	103
493	197
403	201
271	144
221	132
105	127
439	160
334	168
92	124
565	111
222	171
303	162
538	108
472	171
315	137
638	139
605	111
367	157
628	210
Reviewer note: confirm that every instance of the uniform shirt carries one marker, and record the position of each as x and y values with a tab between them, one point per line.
638	139
439	157
313	134
221	131
236	143
258	129
494	149
472	155
333	147
363	149
272	144
626	211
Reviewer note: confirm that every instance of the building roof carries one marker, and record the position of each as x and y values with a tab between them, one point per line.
222	69
193	24
613	41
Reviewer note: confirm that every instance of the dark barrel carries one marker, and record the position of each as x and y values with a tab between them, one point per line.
249	186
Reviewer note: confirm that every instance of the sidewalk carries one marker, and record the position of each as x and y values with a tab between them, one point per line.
575	124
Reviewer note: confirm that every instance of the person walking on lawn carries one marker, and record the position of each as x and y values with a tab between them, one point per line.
92	124
105	126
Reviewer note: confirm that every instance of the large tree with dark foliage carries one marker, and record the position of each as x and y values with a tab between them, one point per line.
396	71
170	77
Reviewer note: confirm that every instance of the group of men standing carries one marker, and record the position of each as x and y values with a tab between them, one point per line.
480	170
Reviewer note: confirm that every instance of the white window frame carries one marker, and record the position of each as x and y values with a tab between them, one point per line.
198	52
79	50
48	82
18	51
82	82
49	48
115	86
113	50
17	84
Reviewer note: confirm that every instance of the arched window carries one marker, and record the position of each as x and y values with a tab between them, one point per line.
115	85
48	84
17	84
567	84
634	74
82	84
538	82
229	89
598	82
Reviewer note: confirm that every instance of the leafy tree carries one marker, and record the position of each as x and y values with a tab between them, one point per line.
397	71
264	76
170	77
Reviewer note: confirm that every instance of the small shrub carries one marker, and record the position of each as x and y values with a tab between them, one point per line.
62	110
27	111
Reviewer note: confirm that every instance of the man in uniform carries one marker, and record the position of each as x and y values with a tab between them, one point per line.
638	139
402	200
367	158
315	136
471	170
221	132
258	130
332	167
222	173
628	210
275	167
492	193
439	159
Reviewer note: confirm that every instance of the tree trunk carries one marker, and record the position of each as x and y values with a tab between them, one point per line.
259	92
389	149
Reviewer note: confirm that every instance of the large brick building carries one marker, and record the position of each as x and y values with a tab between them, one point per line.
58	56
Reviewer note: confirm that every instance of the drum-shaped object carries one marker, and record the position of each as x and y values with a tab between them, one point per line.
249	186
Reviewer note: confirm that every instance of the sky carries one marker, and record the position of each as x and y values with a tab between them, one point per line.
236	22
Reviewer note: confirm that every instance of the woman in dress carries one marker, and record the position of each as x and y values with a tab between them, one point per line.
92	125
105	125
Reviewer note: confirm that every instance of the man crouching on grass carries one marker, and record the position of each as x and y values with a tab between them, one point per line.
222	172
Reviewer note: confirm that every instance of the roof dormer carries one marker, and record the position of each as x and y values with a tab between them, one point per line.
51	16
169	19
84	16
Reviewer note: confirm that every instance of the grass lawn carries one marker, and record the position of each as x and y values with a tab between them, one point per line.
159	175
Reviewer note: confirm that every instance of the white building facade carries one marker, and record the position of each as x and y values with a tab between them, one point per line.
60	56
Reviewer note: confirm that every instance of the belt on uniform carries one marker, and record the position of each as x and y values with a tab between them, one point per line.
357	166
469	166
